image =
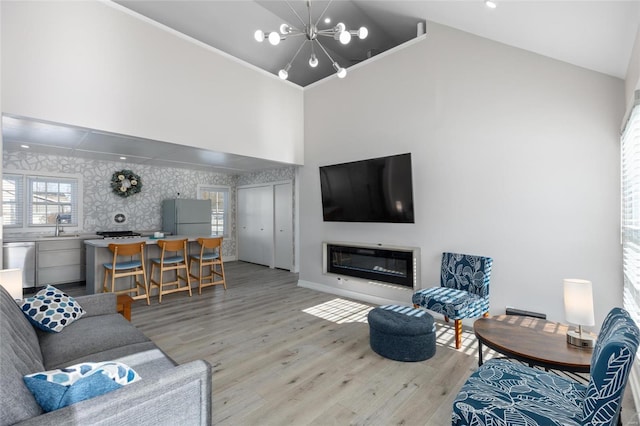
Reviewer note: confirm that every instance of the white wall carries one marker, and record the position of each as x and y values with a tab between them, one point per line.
515	156
93	65
632	81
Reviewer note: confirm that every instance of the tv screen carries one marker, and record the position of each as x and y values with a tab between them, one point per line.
374	190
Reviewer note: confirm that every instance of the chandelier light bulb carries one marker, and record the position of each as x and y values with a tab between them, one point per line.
313	61
363	32
341	72
285	29
274	38
345	37
340	27
259	36
284	73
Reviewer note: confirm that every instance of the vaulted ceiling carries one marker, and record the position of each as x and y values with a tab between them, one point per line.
597	35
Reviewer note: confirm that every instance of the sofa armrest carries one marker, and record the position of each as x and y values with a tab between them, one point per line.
181	396
98	304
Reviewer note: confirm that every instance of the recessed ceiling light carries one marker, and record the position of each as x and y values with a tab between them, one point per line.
24	146
123	158
327	20
490	4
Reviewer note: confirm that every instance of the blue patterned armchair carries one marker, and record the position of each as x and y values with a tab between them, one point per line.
502	392
463	291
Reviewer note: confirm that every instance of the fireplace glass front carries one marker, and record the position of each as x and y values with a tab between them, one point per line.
377	264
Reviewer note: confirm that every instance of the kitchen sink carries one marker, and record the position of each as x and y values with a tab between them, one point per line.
62	236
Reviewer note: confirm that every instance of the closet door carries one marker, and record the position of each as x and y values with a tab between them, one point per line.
283	210
255	225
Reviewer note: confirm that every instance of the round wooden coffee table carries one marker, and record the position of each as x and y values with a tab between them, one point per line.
533	341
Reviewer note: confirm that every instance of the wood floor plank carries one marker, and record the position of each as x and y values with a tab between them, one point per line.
286	355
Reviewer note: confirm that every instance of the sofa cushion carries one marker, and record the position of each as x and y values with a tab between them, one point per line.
51	309
88	337
19	355
58	388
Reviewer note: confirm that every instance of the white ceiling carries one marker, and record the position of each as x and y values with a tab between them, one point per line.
597	35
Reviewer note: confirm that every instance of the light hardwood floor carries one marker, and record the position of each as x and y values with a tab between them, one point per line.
284	355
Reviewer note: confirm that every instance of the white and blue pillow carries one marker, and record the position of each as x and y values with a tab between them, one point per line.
55	389
51	309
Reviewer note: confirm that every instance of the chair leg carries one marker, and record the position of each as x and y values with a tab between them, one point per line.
186	272
113	280
160	286
104	281
200	277
446	318
146	288
458	326
224	280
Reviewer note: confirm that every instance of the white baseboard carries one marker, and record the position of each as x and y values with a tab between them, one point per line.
351	294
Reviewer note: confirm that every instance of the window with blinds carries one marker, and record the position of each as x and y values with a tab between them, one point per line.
32	201
12	200
50	197
219	197
630	171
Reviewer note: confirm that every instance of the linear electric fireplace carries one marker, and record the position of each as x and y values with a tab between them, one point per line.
389	265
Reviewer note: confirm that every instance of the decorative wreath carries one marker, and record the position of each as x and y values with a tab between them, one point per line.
126	183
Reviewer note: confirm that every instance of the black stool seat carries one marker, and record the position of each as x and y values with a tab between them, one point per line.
402	333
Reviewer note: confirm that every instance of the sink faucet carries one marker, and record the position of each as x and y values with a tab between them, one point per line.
58	227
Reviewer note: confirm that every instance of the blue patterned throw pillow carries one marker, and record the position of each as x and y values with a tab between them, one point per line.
55	389
51	309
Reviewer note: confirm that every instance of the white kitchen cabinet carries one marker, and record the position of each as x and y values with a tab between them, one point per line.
59	261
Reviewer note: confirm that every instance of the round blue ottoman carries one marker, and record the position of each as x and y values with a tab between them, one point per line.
402	333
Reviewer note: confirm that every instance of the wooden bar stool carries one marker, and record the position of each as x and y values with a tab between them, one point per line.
211	256
172	258
119	268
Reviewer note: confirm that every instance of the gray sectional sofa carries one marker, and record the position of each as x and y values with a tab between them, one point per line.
167	394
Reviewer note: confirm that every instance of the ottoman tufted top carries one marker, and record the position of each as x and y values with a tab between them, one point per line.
401	320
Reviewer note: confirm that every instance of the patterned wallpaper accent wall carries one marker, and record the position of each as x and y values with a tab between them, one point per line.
143	210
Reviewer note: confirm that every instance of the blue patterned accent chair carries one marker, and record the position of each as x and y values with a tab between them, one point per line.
463	291
502	392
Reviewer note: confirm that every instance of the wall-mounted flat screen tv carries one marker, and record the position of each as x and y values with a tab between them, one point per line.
374	190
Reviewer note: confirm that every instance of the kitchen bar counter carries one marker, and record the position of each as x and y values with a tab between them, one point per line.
98	253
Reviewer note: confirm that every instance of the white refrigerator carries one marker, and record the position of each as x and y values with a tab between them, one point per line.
187	217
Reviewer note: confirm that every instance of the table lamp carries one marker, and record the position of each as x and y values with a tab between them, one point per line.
578	309
11	280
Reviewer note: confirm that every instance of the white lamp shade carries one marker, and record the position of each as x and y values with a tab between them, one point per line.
578	302
11	280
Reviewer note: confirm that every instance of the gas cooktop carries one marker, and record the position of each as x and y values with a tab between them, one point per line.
118	234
